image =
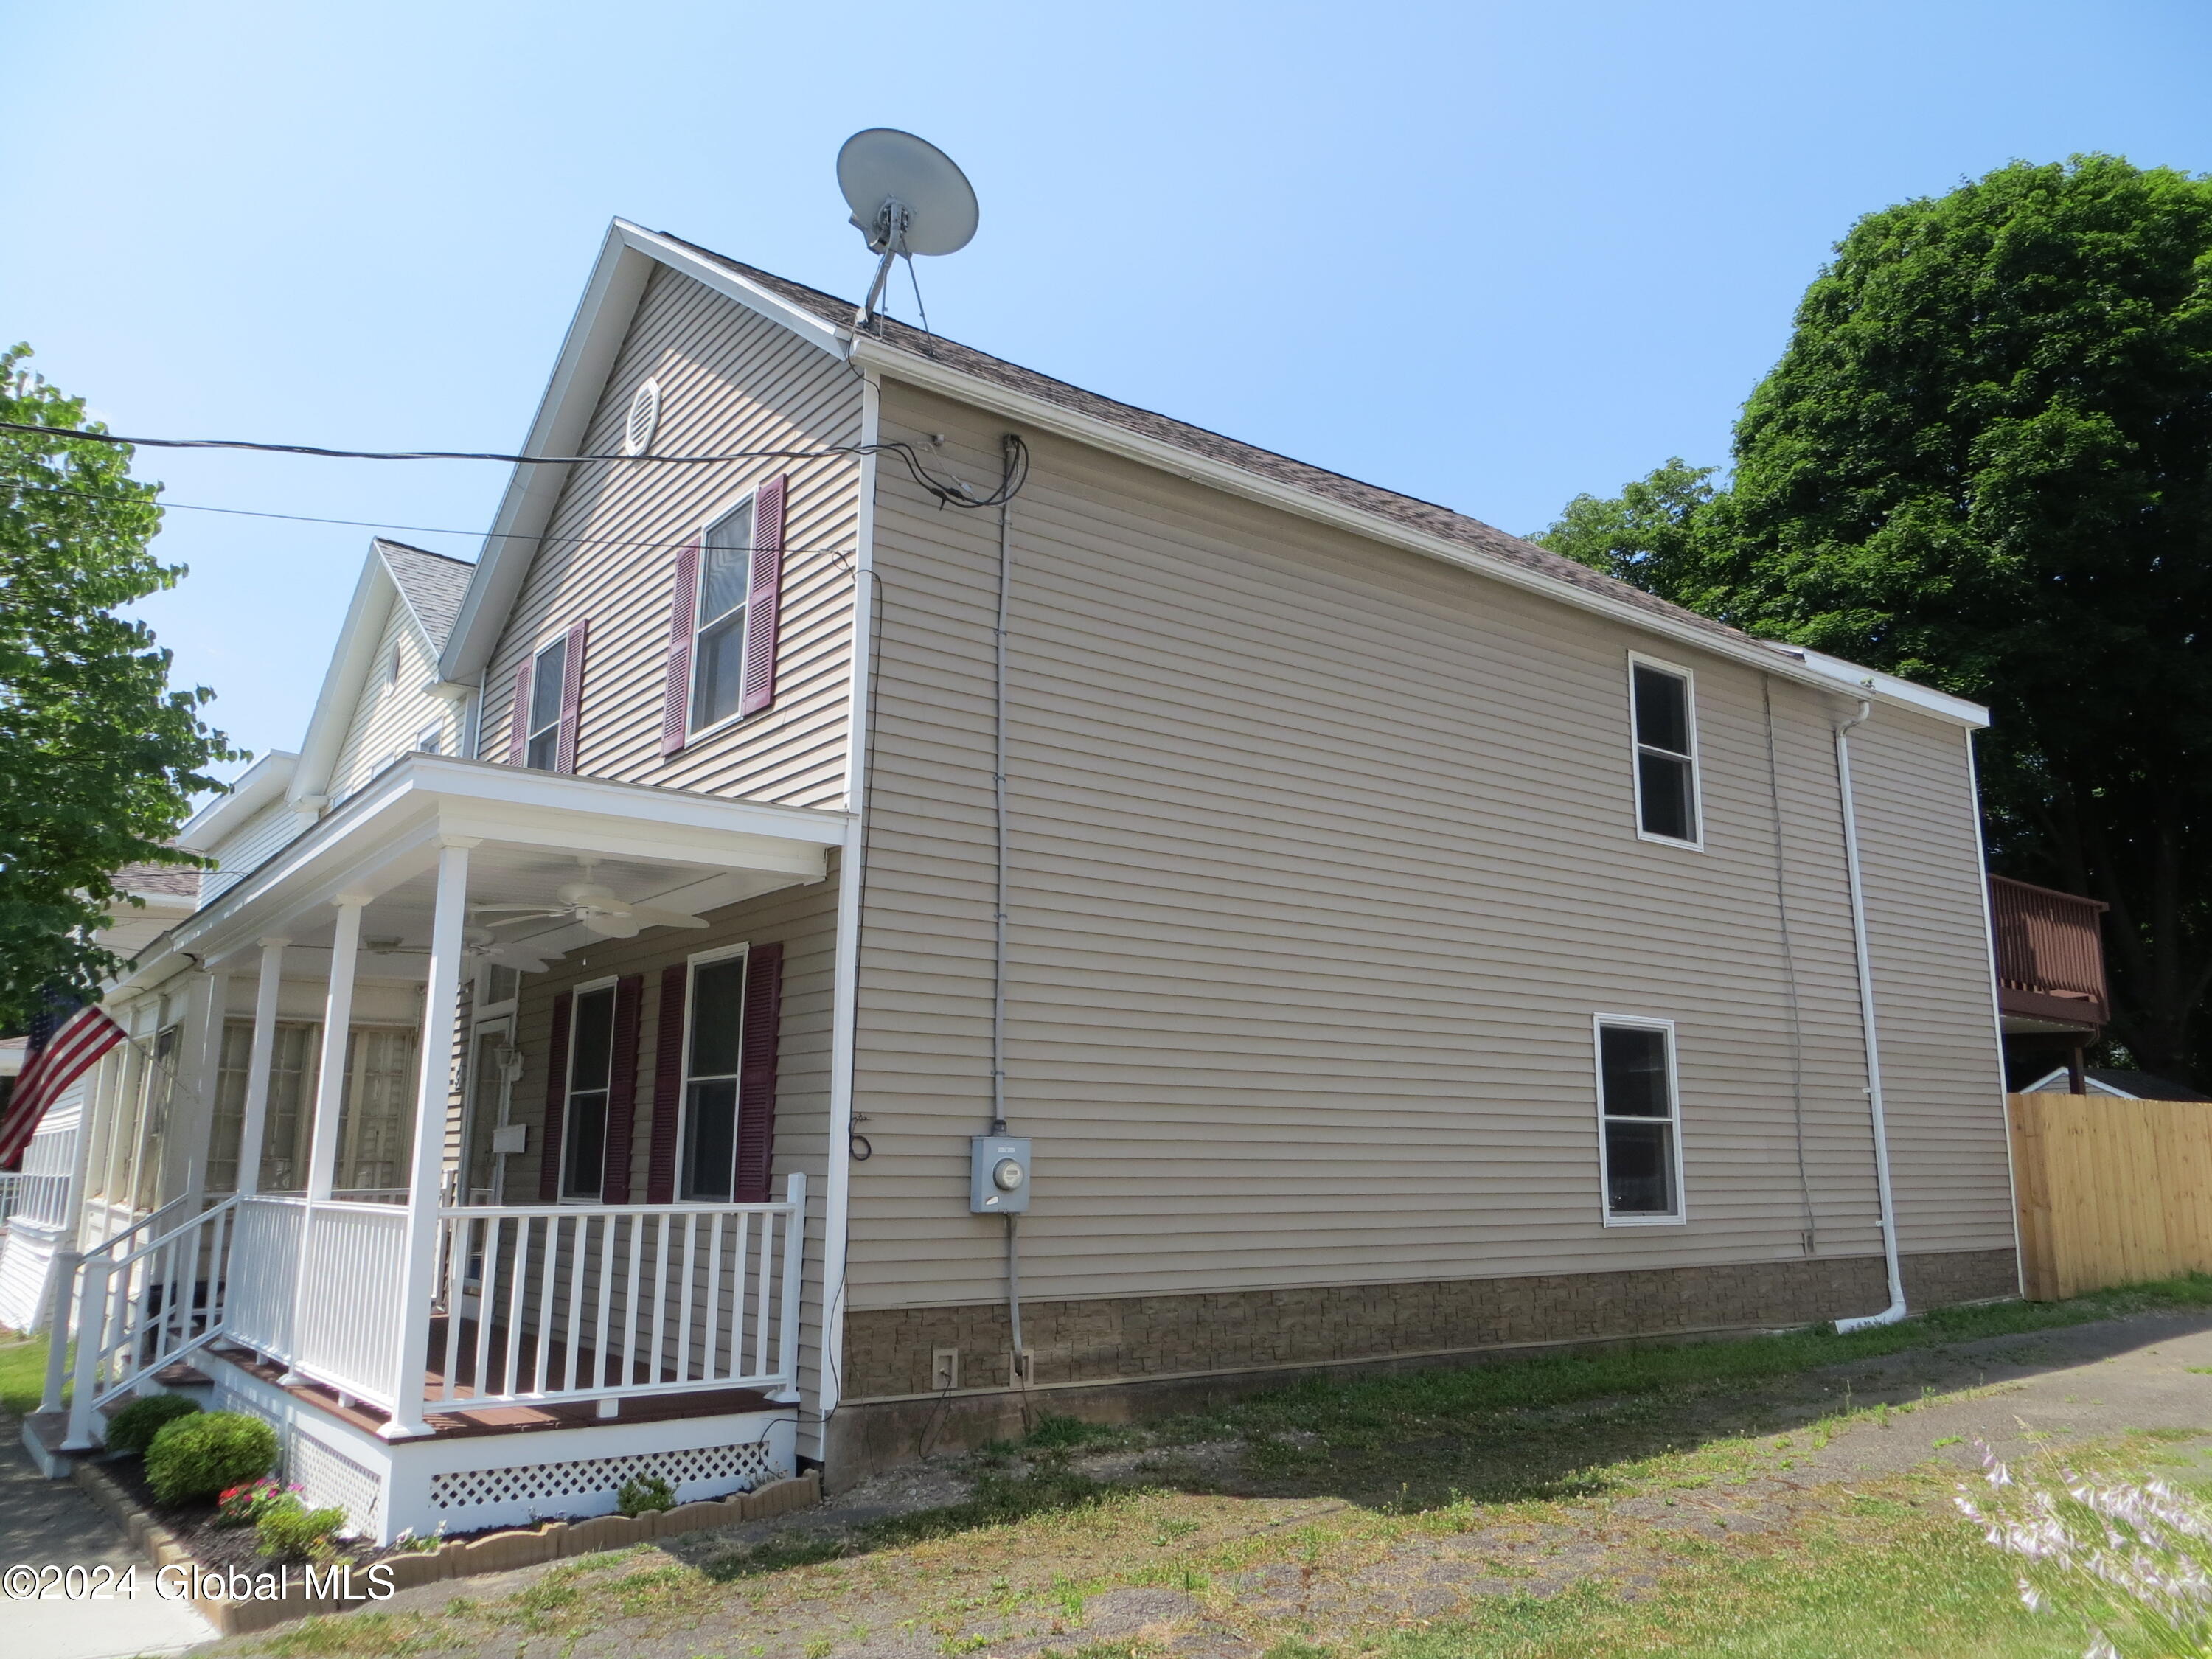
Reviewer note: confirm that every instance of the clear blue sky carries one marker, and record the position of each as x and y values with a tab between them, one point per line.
1489	254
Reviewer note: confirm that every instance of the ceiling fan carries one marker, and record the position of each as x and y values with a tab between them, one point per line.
596	906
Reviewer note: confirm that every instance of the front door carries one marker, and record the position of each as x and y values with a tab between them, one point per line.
491	1085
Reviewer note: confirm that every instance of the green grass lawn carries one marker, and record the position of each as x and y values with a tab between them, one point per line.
22	1373
1304	1520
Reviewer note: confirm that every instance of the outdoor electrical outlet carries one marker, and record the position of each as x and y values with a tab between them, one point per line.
943	1368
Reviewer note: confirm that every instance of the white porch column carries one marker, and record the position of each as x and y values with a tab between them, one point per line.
338	1026
442	1033
259	1063
329	1094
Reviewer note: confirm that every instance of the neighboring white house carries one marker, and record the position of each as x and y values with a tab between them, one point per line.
46	1202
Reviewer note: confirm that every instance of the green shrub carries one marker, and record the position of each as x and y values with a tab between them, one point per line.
288	1530
642	1496
197	1457
132	1429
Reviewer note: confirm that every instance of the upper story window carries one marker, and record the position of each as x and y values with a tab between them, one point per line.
1663	714
549	672
1640	1127
719	655
431	739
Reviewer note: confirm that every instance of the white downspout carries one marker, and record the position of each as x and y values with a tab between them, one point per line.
1895	1311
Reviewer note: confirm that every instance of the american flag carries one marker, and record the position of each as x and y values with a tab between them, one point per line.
66	1056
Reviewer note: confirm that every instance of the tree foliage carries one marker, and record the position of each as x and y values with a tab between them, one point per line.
1984	462
100	756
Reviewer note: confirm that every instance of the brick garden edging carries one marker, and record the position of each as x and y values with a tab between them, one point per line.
499	1552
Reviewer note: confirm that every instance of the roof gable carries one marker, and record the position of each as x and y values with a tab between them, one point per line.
930	360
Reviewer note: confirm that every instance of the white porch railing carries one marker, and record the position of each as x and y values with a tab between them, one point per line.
146	1299
561	1302
557	1303
11	1194
317	1286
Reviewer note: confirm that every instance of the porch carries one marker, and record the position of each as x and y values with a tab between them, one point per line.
396	1301
2052	1002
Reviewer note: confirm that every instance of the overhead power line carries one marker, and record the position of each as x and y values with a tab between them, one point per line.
950	492
165	505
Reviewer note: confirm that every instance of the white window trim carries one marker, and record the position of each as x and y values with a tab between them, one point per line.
751	497
568	1089
1697	758
692	964
536	652
1646	1023
484	1009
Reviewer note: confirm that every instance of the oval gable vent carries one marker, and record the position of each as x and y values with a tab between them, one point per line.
644	418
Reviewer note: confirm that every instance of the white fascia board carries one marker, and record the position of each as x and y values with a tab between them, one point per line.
388	832
373	596
1829	674
579	379
261	784
579	374
1888	688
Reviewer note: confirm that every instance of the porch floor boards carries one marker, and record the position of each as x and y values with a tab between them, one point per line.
456	1419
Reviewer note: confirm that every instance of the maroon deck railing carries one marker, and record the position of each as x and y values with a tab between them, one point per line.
2051	955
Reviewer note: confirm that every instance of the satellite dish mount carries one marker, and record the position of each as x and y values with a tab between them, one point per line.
907	196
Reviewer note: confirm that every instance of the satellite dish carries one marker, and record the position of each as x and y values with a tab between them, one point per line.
907	196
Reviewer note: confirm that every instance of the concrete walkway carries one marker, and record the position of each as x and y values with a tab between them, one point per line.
50	1521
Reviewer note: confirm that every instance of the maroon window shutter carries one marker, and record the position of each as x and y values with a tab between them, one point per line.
517	719
667	1086
764	594
757	1073
675	701
572	697
622	1090
557	1101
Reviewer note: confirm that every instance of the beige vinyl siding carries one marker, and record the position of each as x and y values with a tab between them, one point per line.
388	719
804	919
1943	1086
1324	856
729	380
243	850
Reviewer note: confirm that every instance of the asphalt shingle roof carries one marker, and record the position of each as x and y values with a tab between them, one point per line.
1407	510
431	583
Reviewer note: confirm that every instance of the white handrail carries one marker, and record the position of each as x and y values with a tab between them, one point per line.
147	1308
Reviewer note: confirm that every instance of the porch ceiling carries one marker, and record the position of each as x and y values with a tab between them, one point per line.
688	852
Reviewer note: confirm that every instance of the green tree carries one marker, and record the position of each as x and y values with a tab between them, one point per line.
1646	535
102	759
1984	461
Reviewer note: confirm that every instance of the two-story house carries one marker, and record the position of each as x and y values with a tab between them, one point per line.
973	897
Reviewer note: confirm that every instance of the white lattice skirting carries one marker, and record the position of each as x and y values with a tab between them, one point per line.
705	1471
466	1483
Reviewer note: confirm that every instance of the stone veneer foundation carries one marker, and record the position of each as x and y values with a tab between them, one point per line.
1117	1358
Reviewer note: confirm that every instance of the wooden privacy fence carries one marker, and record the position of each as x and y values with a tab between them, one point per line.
2111	1191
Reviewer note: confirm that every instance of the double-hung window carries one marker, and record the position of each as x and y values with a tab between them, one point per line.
1663	712
712	1049
590	1072
1639	1120
718	656
548	674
